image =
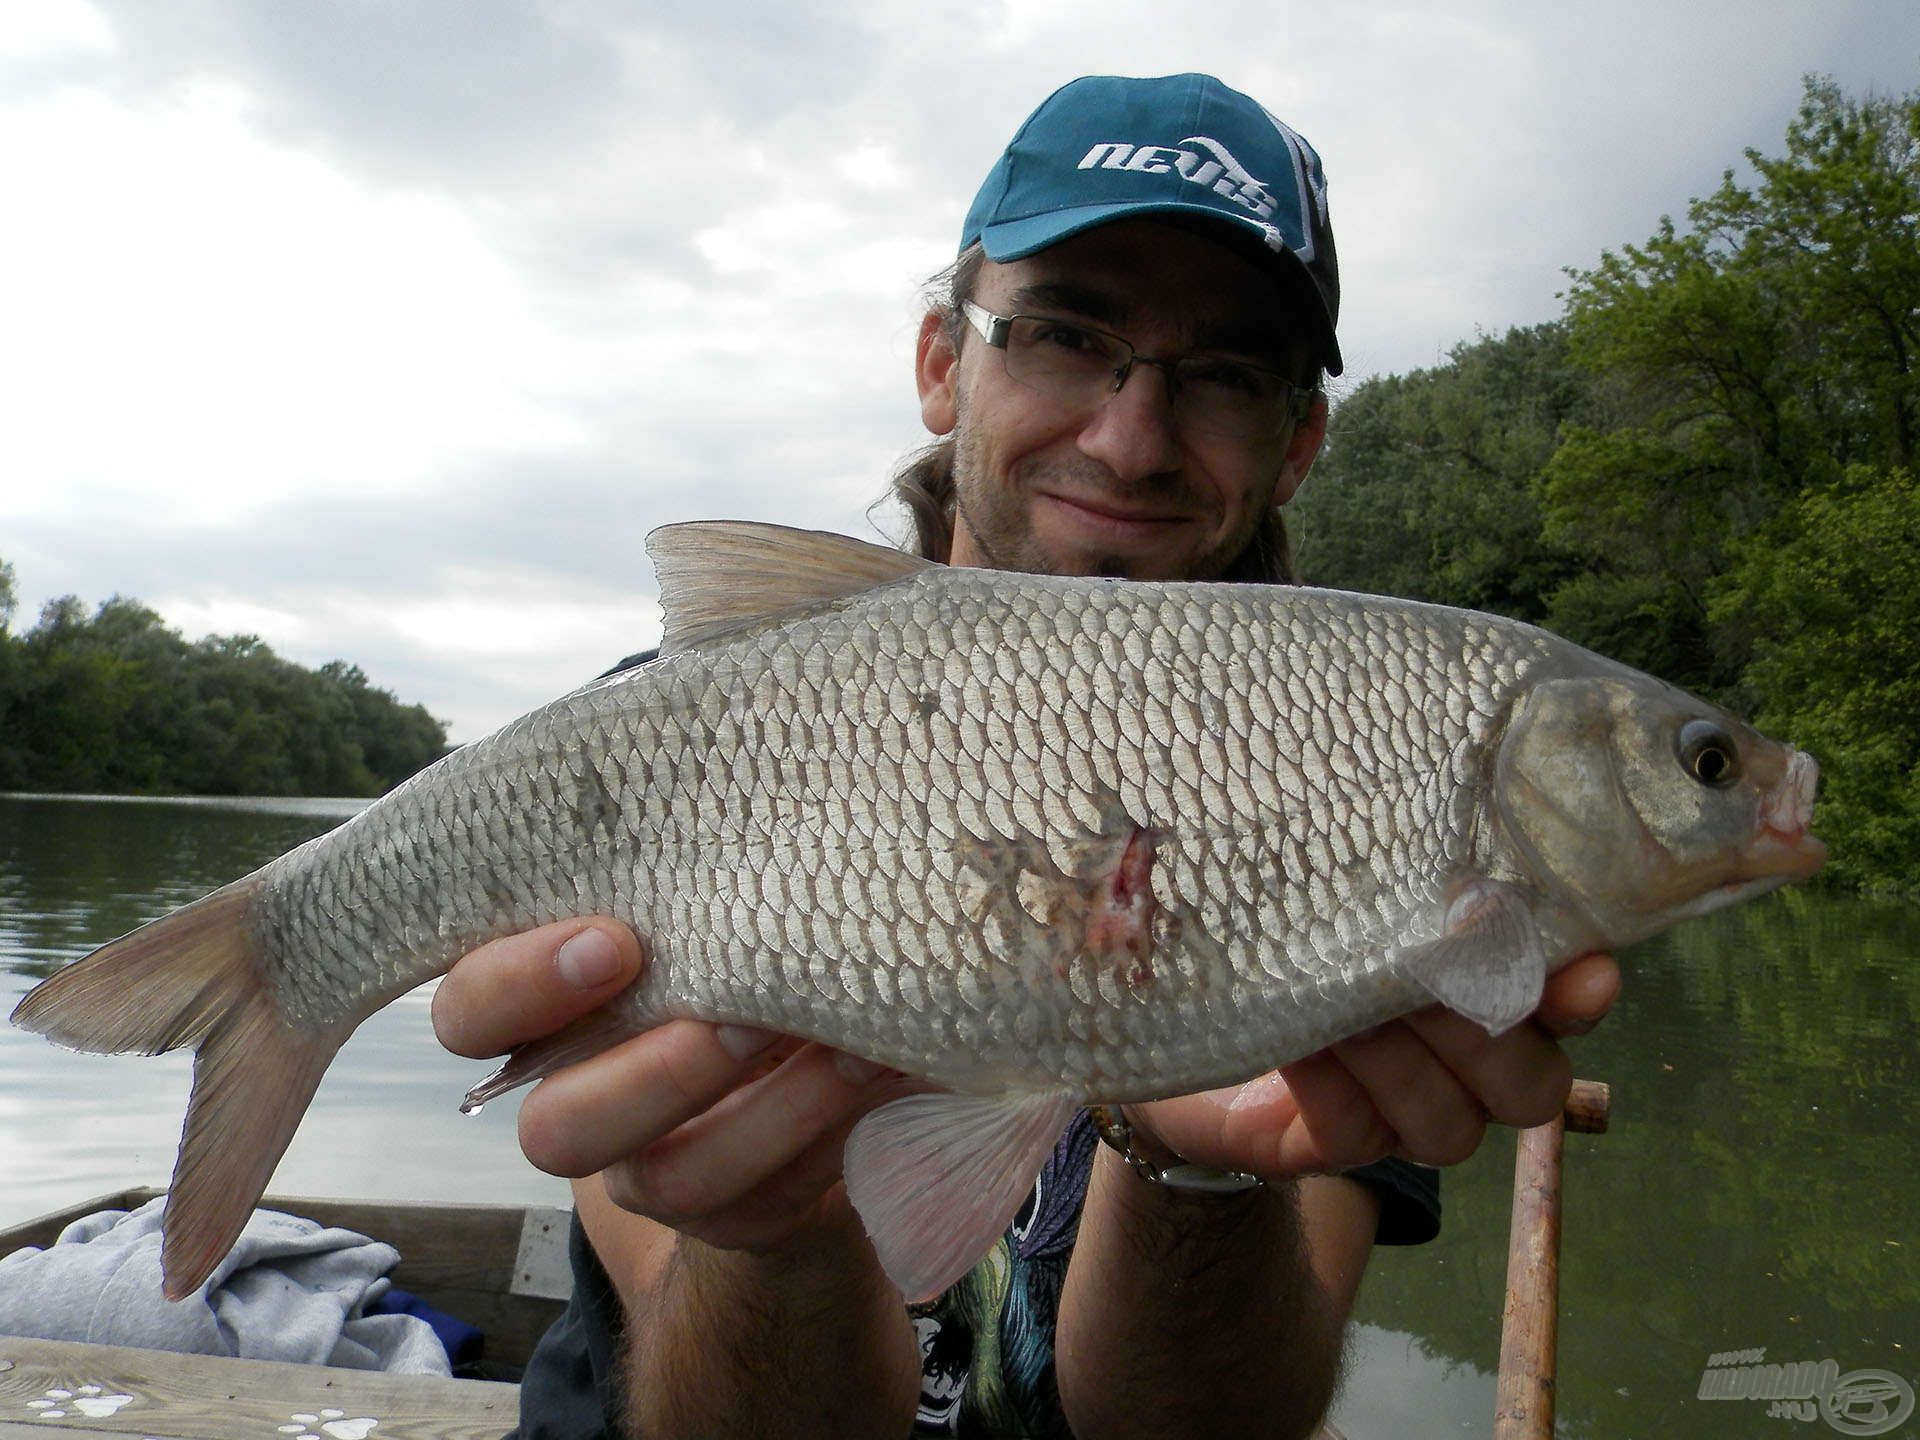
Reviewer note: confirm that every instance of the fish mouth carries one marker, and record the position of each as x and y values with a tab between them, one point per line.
1782	849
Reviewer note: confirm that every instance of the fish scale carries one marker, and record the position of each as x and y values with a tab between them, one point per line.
1039	841
735	820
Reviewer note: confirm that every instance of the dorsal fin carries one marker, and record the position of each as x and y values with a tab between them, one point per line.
724	577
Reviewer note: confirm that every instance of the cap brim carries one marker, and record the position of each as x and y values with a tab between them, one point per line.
1017	239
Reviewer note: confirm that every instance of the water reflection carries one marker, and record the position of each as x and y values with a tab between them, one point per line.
75	873
1756	1188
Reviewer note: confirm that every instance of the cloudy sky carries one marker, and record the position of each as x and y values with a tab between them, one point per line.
386	329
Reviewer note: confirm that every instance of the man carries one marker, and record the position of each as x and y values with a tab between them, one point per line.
1124	370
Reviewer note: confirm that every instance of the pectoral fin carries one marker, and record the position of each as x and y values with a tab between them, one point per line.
1490	965
936	1178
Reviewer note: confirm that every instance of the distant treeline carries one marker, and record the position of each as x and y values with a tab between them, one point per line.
115	702
1705	468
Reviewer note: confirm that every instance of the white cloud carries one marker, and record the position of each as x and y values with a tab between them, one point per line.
387	333
42	28
196	314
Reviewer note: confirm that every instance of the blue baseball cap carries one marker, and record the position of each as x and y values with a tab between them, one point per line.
1184	147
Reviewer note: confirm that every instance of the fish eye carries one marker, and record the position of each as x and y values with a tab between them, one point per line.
1708	753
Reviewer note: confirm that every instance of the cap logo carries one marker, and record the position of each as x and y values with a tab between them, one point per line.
1216	169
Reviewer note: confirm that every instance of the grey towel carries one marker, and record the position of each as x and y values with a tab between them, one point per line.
291	1290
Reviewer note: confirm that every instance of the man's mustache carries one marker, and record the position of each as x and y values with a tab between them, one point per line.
1094	480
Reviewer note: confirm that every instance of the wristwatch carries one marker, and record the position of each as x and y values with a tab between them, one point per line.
1159	1166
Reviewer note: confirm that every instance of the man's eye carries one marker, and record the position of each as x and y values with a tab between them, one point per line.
1230	378
1066	337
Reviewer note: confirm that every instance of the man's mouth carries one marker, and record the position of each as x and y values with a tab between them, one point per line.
1107	515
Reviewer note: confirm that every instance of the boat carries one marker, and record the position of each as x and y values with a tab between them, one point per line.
501	1268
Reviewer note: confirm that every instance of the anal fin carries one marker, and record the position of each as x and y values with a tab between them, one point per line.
937	1177
593	1032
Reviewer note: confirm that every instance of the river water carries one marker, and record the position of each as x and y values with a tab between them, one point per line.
1755	1191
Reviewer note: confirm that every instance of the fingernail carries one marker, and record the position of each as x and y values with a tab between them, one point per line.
588	959
743	1042
855	1069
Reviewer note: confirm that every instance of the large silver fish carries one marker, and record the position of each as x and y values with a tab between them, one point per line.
1043	841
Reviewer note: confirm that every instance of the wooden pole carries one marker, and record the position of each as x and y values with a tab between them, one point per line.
1530	1327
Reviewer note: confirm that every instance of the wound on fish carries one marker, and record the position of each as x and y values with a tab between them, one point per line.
1121	910
1100	912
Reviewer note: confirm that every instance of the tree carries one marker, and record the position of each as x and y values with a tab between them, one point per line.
1736	364
1705	470
1430	485
1828	602
116	701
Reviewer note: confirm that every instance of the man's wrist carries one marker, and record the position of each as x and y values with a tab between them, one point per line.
1157	1164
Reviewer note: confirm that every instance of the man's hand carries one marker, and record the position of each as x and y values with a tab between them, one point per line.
728	1134
716	1205
1422	1088
734	1135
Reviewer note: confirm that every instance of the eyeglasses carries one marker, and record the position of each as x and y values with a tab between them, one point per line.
1078	365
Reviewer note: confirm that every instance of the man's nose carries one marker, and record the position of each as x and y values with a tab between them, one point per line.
1133	432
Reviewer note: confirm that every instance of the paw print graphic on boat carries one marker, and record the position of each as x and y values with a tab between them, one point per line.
91	1401
328	1425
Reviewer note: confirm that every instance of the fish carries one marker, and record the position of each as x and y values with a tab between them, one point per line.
1037	841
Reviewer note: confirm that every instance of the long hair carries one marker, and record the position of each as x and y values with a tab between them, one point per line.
923	485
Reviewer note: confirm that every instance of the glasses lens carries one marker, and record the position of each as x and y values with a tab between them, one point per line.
1226	397
1077	365
1064	359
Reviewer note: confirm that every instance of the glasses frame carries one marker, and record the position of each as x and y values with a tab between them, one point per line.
997	331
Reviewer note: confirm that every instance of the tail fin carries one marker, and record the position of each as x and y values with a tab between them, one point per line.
188	979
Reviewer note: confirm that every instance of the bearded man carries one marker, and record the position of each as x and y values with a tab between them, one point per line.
1124	372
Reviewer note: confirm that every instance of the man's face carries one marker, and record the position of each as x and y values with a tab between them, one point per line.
1117	489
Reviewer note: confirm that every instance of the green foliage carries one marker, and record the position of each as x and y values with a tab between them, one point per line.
1429	486
1829	604
1703	470
117	702
1735	365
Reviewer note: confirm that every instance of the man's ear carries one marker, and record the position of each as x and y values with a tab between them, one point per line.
1303	446
935	367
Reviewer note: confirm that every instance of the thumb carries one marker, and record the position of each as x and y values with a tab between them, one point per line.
520	987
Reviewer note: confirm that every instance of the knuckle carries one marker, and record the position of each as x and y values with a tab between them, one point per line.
623	1189
674	1069
1543	1098
1452	1143
672	1194
549	1145
646	1186
1373	1139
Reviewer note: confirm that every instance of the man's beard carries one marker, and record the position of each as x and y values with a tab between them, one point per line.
999	517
